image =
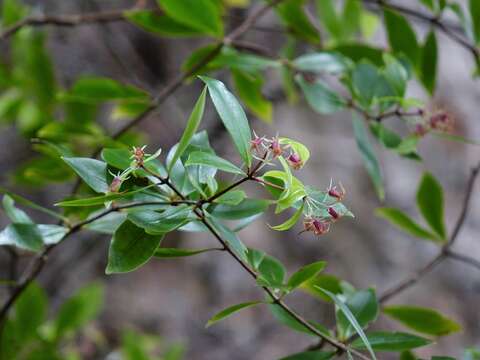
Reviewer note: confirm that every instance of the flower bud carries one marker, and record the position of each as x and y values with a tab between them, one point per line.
256	143
441	121
295	161
333	213
275	147
115	184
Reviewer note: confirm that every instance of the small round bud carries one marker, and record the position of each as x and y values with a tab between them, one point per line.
295	161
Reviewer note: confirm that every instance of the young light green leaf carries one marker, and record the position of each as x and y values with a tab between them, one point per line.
368	155
311	355
93	172
24	236
305	273
209	159
424	320
130	248
391	341
428	71
232	115
230	311
191	128
405	223
351	318
430	204
288	224
297	148
203	15
170	253
320	97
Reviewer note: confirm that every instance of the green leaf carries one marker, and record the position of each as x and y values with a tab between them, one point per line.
351	318
155	223
118	158
293	16
230	311
320	97
160	24
100	200
402	221
288	224
363	305
229	237
305	273
93	172
130	248
297	147
407	355
391	341
423	320
401	37
359	52
169	253
52	234
474	6
97	90
209	159
16	215
271	271
191	128
233	197
323	281
24	236
368	155
30	312
311	355
329	18
369	84
232	115
322	62
430	204
202	15
79	309
246	208
249	89
428	70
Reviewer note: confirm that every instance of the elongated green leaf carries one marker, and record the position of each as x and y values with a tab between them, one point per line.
169	253
52	234
204	158
30	312
191	128
230	311
272	272
97	90
100	200
363	305
322	62
246	208
15	214
155	223
430	204
24	236
423	320
249	89
93	172
288	224
130	248
160	24
118	158
305	273
405	223
401	37
79	309
229	237
232	115
391	341
428	72
23	201
293	15
351	318
203	15
368	155
233	197
320	97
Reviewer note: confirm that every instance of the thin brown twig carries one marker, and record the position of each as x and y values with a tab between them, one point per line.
445	251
